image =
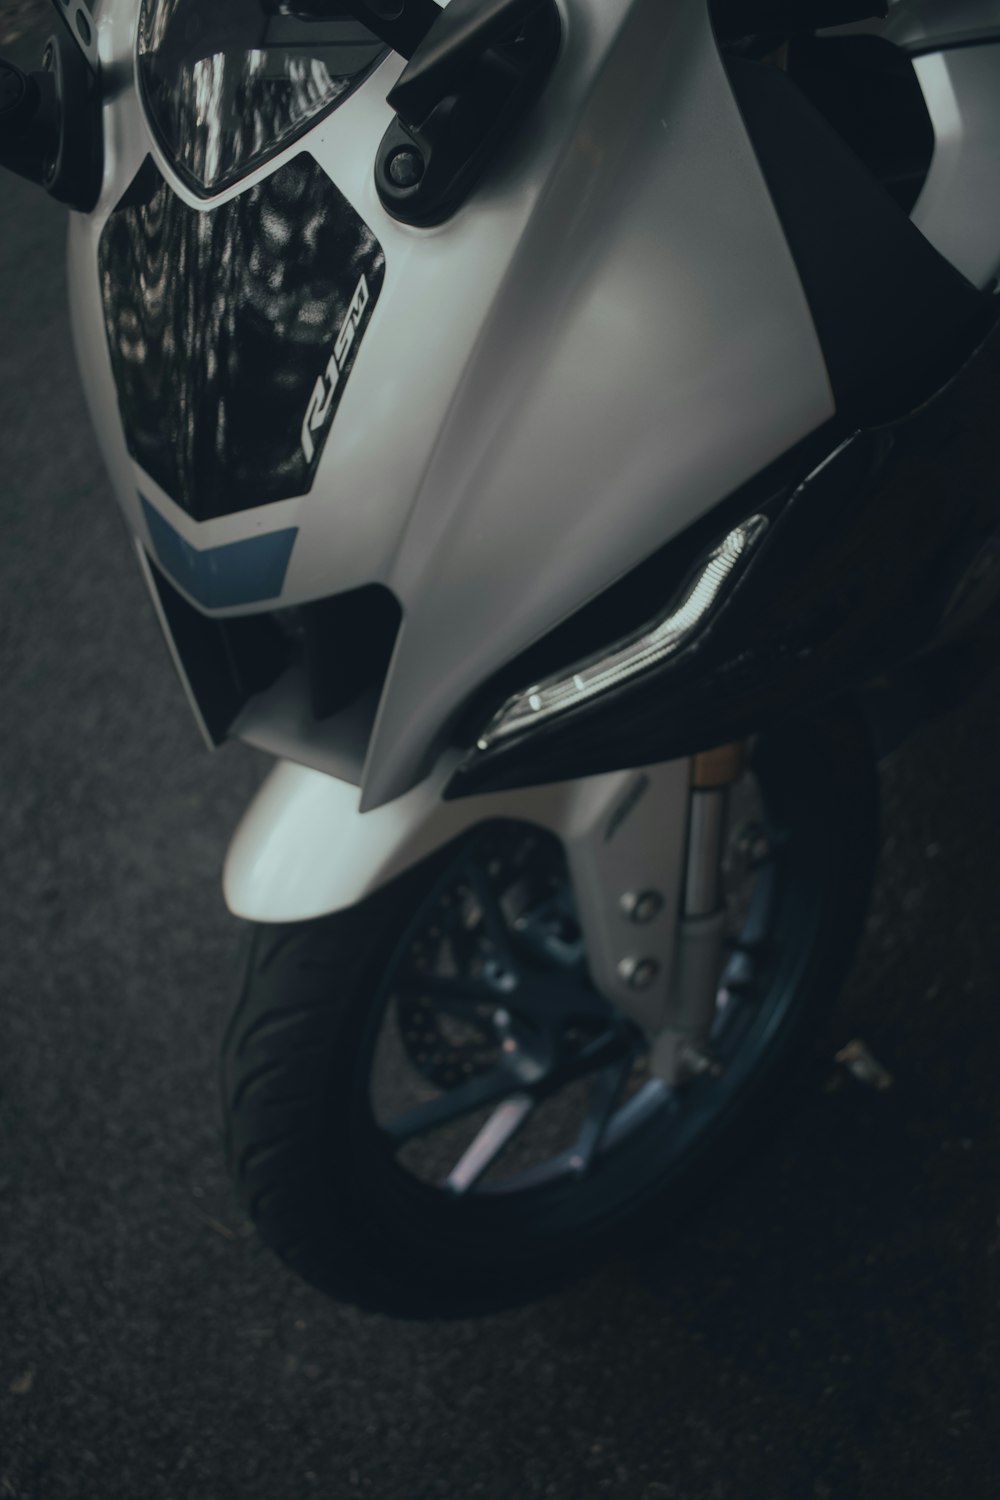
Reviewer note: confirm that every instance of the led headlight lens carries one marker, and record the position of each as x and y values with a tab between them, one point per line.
638	654
228	83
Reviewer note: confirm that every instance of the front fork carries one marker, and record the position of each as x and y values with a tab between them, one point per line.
681	1049
647	876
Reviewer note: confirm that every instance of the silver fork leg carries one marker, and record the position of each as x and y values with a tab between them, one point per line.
680	1050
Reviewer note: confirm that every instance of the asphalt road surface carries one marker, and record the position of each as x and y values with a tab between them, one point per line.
828	1325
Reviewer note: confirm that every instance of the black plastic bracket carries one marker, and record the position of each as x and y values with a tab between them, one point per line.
50	123
465	89
400	24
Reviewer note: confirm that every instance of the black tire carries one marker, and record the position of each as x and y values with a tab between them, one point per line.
307	1168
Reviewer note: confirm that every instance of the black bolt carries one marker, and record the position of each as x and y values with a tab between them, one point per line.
406	168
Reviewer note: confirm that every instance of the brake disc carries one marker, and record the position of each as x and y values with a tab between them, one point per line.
444	1048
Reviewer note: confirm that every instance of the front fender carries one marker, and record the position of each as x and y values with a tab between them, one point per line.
304	849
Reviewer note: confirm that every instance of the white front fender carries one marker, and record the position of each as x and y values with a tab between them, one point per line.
304	850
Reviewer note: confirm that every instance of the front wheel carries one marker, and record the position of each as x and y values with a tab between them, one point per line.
429	1110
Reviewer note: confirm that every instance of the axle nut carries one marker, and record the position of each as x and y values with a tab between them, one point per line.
638	973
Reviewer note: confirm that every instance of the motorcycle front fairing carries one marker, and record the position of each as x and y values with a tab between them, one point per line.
542	394
544	389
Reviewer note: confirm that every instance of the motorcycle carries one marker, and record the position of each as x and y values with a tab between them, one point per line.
562	434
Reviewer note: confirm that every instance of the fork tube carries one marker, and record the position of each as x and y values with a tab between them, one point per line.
712	774
679	1050
702	876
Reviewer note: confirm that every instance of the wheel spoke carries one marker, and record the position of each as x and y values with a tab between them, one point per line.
610	1049
499	1130
539	933
604	1096
493	916
740	973
489	1088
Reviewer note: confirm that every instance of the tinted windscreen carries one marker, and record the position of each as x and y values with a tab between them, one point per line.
228	83
230	354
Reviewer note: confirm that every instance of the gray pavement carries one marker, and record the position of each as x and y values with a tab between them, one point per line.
829	1326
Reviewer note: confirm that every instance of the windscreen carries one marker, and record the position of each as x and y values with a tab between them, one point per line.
228	83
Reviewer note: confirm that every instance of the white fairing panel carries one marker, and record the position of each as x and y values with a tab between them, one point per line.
606	340
651	349
959	208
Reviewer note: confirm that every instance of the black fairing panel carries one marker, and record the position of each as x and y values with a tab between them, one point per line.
868	91
858	573
894	318
218	334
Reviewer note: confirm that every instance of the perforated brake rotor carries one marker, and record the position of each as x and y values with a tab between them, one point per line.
455	948
440	1052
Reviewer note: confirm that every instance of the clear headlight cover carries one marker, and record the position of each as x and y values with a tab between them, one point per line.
630	658
228	83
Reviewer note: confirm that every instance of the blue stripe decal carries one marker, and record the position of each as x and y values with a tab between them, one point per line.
245	572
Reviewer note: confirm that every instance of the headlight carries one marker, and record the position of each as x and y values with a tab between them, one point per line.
628	659
228	83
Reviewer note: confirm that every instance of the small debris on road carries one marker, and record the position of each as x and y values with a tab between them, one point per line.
864	1066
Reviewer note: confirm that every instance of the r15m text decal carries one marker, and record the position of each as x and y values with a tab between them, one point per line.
325	391
219	320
